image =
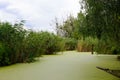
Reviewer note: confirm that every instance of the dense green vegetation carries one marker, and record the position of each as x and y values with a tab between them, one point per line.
97	24
97	27
102	20
20	45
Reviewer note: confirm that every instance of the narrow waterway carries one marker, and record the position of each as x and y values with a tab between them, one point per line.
69	65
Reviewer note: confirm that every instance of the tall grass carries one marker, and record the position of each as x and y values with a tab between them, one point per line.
19	45
85	45
107	47
100	46
70	43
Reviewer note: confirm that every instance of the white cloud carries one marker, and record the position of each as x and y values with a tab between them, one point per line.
38	13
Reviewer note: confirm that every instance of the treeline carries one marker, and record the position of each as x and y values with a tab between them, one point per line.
97	25
18	45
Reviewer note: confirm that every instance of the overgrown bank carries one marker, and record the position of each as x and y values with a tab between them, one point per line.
97	24
96	27
20	45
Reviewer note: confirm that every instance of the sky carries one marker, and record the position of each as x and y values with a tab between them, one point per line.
38	14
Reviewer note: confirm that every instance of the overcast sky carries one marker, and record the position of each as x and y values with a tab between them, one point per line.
39	14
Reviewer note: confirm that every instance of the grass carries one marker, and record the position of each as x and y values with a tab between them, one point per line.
70	65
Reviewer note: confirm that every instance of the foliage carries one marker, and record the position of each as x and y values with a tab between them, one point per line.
98	24
106	47
99	19
19	45
70	43
67	28
102	21
85	45
11	38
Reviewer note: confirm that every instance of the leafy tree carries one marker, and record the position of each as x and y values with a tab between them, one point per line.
67	28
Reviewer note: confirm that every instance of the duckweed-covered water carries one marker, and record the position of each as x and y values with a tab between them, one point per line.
70	65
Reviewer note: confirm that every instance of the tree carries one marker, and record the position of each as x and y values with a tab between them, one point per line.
67	28
103	21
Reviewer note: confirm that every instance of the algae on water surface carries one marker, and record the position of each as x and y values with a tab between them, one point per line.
70	65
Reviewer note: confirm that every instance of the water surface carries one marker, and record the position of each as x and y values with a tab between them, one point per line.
69	65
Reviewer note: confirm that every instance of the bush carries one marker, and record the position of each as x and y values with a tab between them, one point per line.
18	45
4	58
70	43
48	42
11	37
39	43
106	47
86	44
51	43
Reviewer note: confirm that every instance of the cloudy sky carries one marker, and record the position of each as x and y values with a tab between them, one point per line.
39	14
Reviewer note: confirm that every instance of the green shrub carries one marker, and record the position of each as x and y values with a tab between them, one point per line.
11	37
60	44
50	42
70	43
107	47
4	55
86	44
18	45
